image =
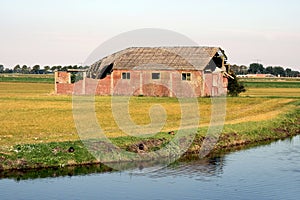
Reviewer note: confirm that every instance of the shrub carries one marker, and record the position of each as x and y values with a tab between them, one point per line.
234	86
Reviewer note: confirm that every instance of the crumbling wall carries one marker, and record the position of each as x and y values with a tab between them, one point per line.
63	83
170	84
64	88
215	84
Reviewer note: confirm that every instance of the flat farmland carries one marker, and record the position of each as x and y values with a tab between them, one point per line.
272	87
31	113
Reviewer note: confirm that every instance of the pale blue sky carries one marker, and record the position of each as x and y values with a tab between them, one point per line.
67	31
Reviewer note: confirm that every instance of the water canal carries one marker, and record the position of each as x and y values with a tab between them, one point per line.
265	172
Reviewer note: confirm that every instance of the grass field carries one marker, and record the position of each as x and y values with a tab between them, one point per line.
272	87
273	92
273	84
27	78
32	114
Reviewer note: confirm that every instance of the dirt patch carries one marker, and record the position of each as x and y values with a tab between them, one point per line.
282	130
286	131
100	146
146	145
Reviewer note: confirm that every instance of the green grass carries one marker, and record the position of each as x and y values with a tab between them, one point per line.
37	127
275	79
30	113
272	87
27	78
273	93
275	84
55	154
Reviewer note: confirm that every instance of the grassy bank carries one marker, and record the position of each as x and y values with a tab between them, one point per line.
56	154
37	127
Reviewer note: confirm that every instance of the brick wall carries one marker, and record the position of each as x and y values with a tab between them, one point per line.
141	83
64	88
62	77
215	84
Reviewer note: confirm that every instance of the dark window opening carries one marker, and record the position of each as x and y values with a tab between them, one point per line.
156	76
186	76
125	75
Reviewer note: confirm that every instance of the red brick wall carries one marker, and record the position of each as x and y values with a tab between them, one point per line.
215	84
62	77
126	86
161	87
103	87
62	80
64	88
192	88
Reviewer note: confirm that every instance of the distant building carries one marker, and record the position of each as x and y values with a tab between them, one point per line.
255	76
154	71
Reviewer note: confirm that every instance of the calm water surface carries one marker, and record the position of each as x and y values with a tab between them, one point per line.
265	172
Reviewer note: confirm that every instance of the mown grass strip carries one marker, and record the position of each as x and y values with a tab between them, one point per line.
27	79
274	84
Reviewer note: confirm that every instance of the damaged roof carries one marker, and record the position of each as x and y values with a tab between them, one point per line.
157	58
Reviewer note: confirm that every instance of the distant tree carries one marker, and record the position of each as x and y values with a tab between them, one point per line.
239	69
234	86
46	68
17	69
278	71
295	74
7	70
269	70
25	69
1	68
36	69
65	68
235	68
256	68
53	68
288	72
243	69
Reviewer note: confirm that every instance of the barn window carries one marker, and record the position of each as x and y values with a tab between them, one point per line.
155	75
125	75
186	76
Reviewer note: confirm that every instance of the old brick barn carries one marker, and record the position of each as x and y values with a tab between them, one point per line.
153	71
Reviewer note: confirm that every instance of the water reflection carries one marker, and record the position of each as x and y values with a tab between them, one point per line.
199	169
190	166
19	175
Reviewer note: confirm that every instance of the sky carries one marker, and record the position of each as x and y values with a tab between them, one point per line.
66	32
